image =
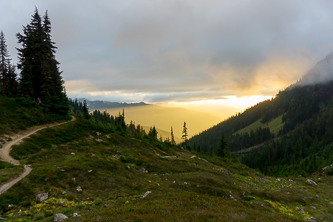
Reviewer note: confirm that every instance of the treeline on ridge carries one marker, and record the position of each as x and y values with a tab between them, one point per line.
304	143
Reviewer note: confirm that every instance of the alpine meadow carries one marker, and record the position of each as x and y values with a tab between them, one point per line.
67	158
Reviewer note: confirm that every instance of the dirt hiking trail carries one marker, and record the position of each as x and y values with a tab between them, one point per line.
17	138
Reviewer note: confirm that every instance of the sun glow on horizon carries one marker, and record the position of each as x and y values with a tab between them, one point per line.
222	108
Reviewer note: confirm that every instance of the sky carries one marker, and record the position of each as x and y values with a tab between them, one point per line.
179	52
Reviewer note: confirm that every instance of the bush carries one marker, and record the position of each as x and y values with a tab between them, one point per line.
329	172
98	201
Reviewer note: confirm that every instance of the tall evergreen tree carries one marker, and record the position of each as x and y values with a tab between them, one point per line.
85	110
40	78
153	133
8	81
173	142
185	135
223	147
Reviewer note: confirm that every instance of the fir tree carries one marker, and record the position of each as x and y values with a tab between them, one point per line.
185	135
40	78
173	142
85	110
8	83
153	133
223	147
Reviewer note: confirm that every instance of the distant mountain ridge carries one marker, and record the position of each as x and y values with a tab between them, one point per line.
99	104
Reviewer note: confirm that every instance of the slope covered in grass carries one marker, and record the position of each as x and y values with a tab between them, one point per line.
115	170
275	125
19	114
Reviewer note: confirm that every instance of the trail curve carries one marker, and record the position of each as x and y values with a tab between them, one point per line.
5	150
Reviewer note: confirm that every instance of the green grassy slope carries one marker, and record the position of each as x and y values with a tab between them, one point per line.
184	188
17	115
275	125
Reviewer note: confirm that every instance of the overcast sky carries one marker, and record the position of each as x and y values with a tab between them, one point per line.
161	51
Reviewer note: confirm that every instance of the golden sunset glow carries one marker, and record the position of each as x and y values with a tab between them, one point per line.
222	108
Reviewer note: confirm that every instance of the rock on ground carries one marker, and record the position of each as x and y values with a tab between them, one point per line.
41	197
60	217
311	182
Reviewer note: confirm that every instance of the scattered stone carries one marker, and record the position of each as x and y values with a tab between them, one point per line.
314	207
312	219
232	197
62	170
128	167
198	185
92	204
174	181
73	179
331	202
168	157
149	181
107	136
73	153
10	207
158	184
317	195
185	183
99	140
290	180
98	133
278	179
118	152
300	211
62	202
146	194
143	170
105	205
45	179
126	202
89	171
60	217
79	189
93	155
1	218
64	192
311	182
41	197
76	215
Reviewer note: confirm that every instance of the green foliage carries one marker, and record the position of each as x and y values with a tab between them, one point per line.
153	133
8	83
19	114
185	136
182	188
98	201
293	131
223	147
40	77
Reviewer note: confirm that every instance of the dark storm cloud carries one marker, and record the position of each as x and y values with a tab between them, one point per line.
180	50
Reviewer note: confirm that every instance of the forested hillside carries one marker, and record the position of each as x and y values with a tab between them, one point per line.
293	130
